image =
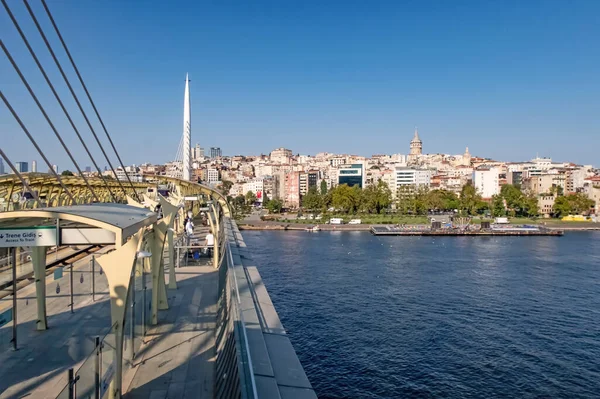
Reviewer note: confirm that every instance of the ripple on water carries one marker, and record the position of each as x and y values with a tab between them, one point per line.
387	317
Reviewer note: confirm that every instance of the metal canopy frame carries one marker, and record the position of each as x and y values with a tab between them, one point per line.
123	220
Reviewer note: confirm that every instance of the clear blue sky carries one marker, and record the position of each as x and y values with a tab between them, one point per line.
509	79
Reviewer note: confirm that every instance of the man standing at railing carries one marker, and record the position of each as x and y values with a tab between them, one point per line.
209	242
189	227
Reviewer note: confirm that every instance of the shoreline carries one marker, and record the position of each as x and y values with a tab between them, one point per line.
280	226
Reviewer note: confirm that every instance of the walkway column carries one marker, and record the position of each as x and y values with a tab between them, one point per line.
216	234
118	267
169	212
38	259
172	278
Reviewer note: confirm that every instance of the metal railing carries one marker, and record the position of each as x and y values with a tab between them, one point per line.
93	377
234	373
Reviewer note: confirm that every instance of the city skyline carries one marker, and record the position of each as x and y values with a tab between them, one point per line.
490	77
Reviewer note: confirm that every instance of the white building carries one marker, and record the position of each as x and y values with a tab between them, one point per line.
131	171
486	181
405	176
337	161
212	175
256	186
281	155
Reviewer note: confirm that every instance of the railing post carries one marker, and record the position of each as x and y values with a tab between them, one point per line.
71	282
132	323
14	292
97	370
71	385
93	272
144	304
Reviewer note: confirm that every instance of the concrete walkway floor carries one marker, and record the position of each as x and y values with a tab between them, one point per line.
178	358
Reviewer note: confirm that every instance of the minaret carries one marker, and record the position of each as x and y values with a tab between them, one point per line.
187	131
416	145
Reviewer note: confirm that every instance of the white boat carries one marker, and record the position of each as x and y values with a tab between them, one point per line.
313	229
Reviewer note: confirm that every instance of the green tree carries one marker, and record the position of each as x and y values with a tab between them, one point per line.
345	198
323	187
239	206
368	199
383	196
513	196
420	204
562	206
498	205
469	199
580	203
275	205
529	205
405	199
556	190
250	198
226	186
67	173
312	200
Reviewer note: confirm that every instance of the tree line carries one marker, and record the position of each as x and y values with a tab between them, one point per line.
420	200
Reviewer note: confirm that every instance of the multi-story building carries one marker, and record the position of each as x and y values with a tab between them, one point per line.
1	166
33	166
592	188
278	185
351	175
281	155
212	175
514	177
215	152
312	178
575	178
197	152
255	186
546	205
303	183
131	171
292	190
486	181
337	161
543	184
22	167
406	176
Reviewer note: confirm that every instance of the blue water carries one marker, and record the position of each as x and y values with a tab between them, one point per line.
443	317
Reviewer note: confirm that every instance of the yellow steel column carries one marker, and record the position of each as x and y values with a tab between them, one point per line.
38	259
118	267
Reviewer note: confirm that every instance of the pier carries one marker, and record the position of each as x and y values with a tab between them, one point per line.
429	231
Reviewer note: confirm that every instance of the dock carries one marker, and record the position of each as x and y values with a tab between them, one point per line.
424	230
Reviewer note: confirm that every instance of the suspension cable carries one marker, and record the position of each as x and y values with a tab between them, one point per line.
35	58
16	67
37	147
92	129
58	98
91	102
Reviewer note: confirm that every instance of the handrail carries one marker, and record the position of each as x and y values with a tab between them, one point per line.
237	293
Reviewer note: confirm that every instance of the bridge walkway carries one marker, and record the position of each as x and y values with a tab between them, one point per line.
38	369
180	347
